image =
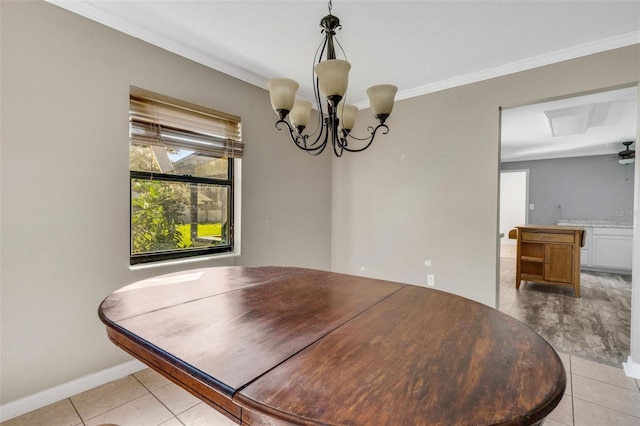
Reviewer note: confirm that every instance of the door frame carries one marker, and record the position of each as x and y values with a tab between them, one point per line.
632	366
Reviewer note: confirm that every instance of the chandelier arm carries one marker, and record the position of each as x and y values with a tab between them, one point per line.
313	148
316	89
298	139
324	134
370	129
319	138
322	127
344	54
318	149
314	151
321	119
337	142
338	152
371	138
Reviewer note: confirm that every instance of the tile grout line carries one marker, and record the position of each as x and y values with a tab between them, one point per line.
115	408
573	397
175	416
604	383
118	406
77	412
573	405
608	408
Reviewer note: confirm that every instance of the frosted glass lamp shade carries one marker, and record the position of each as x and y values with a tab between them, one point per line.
381	98
300	113
333	76
347	115
283	93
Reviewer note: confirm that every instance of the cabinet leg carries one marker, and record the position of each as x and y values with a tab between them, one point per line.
517	283
576	289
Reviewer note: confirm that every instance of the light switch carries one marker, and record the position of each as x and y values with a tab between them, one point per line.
531	206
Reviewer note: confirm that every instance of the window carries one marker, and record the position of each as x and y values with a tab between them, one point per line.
181	159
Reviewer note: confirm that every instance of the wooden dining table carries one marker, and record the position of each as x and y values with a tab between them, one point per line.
283	345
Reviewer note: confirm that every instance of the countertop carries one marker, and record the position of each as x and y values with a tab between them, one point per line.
598	223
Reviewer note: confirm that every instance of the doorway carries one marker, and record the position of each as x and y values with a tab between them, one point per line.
514	199
552	311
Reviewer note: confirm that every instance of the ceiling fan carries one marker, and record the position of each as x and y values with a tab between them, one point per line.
627	155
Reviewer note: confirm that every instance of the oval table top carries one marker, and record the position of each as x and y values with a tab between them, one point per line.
281	345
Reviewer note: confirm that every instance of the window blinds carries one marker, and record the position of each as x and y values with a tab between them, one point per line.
162	121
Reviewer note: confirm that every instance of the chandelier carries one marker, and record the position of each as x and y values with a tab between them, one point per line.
335	119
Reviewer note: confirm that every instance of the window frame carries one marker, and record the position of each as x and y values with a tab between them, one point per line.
142	258
231	152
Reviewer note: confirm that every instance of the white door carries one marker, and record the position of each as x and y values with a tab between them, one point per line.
514	195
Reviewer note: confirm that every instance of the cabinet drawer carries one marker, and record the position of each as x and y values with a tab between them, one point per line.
551	238
628	232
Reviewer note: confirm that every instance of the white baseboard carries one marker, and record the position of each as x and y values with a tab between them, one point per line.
631	368
57	393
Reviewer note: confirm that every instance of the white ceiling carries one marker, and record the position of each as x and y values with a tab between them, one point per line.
420	46
526	132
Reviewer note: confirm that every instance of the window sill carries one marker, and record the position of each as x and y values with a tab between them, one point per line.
198	259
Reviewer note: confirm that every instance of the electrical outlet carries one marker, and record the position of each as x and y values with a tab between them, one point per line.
431	280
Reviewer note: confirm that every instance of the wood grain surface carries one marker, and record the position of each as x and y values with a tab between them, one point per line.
297	346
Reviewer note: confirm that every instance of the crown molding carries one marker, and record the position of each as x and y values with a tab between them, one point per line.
603	45
94	13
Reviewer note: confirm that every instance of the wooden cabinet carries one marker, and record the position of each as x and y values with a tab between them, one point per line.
549	255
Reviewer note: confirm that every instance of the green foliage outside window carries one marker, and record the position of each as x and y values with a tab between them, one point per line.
156	214
160	212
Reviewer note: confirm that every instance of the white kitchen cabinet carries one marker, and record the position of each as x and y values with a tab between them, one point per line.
611	248
608	245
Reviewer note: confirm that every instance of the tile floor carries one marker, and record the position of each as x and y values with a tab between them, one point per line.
598	393
141	399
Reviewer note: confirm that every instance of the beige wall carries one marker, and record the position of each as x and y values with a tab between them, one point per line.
65	187
426	191
429	189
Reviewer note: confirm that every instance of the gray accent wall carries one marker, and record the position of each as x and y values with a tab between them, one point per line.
594	187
